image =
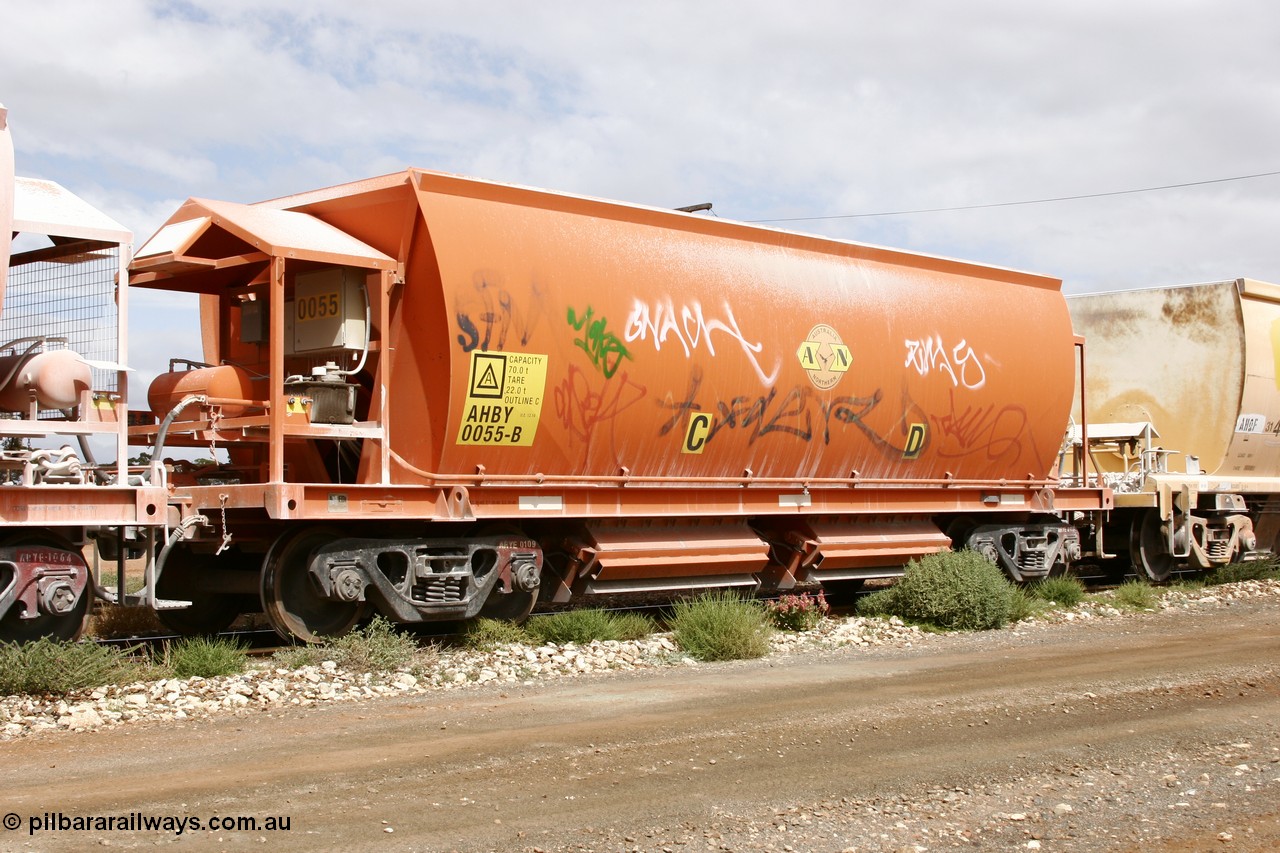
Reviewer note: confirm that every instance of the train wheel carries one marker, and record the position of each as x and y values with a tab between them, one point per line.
514	606
1147	547
294	607
958	531
209	613
54	626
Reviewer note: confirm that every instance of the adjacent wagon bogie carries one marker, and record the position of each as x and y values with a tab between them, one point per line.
63	387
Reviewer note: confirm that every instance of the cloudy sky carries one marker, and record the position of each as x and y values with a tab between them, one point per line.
771	111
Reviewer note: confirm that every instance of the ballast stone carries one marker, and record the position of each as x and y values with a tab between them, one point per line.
273	687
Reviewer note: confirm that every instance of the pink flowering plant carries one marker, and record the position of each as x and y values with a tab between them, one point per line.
800	612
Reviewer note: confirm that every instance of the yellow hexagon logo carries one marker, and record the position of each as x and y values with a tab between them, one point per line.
824	356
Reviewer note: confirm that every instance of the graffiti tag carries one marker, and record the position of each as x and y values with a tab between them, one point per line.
582	407
960	363
603	347
993	431
490	320
691	328
800	413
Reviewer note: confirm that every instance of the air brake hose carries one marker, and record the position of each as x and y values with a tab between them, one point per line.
178	533
158	452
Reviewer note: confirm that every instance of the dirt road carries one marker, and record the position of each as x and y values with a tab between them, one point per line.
1149	733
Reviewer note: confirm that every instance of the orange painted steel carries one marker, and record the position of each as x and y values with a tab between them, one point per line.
53	379
541	336
683	347
74	505
224	381
630	552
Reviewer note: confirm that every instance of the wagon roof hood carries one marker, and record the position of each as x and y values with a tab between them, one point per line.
176	247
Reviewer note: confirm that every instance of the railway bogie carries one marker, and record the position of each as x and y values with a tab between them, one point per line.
45	587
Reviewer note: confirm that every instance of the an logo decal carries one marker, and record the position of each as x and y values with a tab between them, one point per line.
824	356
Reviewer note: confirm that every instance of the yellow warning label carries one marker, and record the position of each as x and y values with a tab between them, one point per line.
504	398
916	435
695	437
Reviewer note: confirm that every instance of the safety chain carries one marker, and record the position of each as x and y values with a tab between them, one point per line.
215	415
226	534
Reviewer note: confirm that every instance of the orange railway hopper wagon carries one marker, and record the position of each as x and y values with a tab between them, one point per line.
438	397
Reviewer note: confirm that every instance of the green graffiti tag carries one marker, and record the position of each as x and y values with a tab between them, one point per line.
605	349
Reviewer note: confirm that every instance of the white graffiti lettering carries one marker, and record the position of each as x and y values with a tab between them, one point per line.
688	325
962	364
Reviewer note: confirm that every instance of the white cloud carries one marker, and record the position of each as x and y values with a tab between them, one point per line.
768	110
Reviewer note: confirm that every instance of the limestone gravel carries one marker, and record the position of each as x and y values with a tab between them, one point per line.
267	686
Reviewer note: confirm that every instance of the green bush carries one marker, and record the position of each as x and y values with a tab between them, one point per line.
1135	595
571	626
959	590
633	626
377	647
800	612
204	657
585	626
1065	591
719	626
1266	568
487	634
878	603
296	657
1022	605
49	667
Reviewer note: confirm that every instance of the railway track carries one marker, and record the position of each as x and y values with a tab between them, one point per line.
263	641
